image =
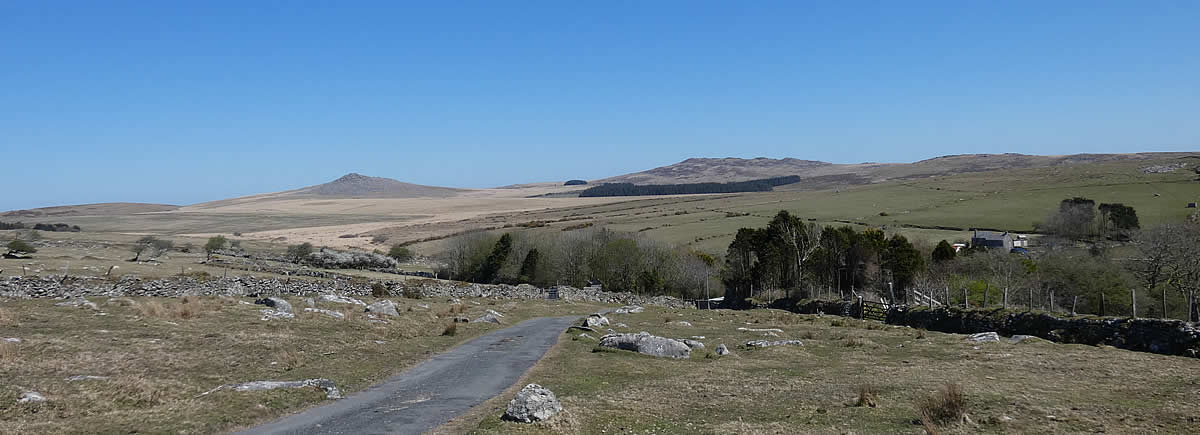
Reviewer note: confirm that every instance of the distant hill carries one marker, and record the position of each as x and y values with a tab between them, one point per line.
357	186
823	174
100	209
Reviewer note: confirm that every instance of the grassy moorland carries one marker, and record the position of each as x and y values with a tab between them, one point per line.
850	376
156	357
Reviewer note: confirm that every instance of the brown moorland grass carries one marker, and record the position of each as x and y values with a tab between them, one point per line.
1012	388
148	360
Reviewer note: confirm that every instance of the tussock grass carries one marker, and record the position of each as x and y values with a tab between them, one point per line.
867	395
8	318
8	351
188	307
451	330
947	405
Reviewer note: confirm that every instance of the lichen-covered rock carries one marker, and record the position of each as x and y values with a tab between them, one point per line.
532	403
487	318
330	313
694	344
595	320
768	343
331	389
31	397
629	309
276	303
984	337
384	307
647	344
335	299
722	350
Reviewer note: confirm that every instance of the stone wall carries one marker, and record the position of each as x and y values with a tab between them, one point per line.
60	287
1162	336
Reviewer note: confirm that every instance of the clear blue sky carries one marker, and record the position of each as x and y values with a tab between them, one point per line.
184	102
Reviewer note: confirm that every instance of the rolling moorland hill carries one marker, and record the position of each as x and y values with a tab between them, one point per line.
824	175
357	185
100	209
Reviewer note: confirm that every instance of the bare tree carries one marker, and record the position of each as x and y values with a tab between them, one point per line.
1156	247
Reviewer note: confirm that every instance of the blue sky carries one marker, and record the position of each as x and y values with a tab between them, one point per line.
184	102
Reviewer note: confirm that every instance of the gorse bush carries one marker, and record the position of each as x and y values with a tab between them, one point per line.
20	246
331	259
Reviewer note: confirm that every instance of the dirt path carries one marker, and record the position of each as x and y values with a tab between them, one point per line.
434	391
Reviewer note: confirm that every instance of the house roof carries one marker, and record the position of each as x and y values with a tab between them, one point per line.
991	235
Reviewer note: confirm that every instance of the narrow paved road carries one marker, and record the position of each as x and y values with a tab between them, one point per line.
434	391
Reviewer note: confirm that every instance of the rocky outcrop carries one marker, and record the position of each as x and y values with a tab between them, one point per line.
384	307
984	337
722	350
331	389
767	343
595	320
532	403
278	304
647	344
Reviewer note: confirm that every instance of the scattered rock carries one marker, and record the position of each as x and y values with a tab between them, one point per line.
532	403
770	334
78	378
310	302
584	336
722	350
777	330
647	344
31	397
335	299
629	309
766	343
277	303
1021	338
487	318
621	325
461	319
335	314
494	313
425	306
79	302
682	323
12	340
269	314
581	328
595	320
697	337
691	343
331	389
984	337
384	307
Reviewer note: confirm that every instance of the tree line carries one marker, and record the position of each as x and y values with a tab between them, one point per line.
617	261
58	227
630	189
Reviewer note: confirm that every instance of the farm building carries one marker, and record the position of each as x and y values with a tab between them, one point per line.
993	239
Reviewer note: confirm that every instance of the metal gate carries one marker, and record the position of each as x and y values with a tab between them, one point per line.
873	310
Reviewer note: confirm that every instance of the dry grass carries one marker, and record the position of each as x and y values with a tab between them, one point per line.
7	318
947	405
867	393
451	330
153	371
8	351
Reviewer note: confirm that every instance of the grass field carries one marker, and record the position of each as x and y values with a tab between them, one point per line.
156	357
1032	387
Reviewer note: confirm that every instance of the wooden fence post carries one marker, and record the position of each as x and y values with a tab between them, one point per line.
1051	300
966	302
1030	298
986	291
860	308
1074	302
1133	301
1101	304
1006	298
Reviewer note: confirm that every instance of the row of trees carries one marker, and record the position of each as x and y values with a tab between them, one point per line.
619	261
59	227
630	189
1079	219
799	257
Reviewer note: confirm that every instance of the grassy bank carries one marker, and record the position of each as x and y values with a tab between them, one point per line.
1032	387
156	357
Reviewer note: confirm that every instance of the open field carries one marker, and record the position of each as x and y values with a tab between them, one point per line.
1031	387
157	356
1002	199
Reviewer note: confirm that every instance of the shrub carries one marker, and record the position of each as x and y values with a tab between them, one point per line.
883	213
945	406
215	244
400	253
329	258
379	238
451	330
298	253
866	395
413	293
237	234
379	290
20	246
